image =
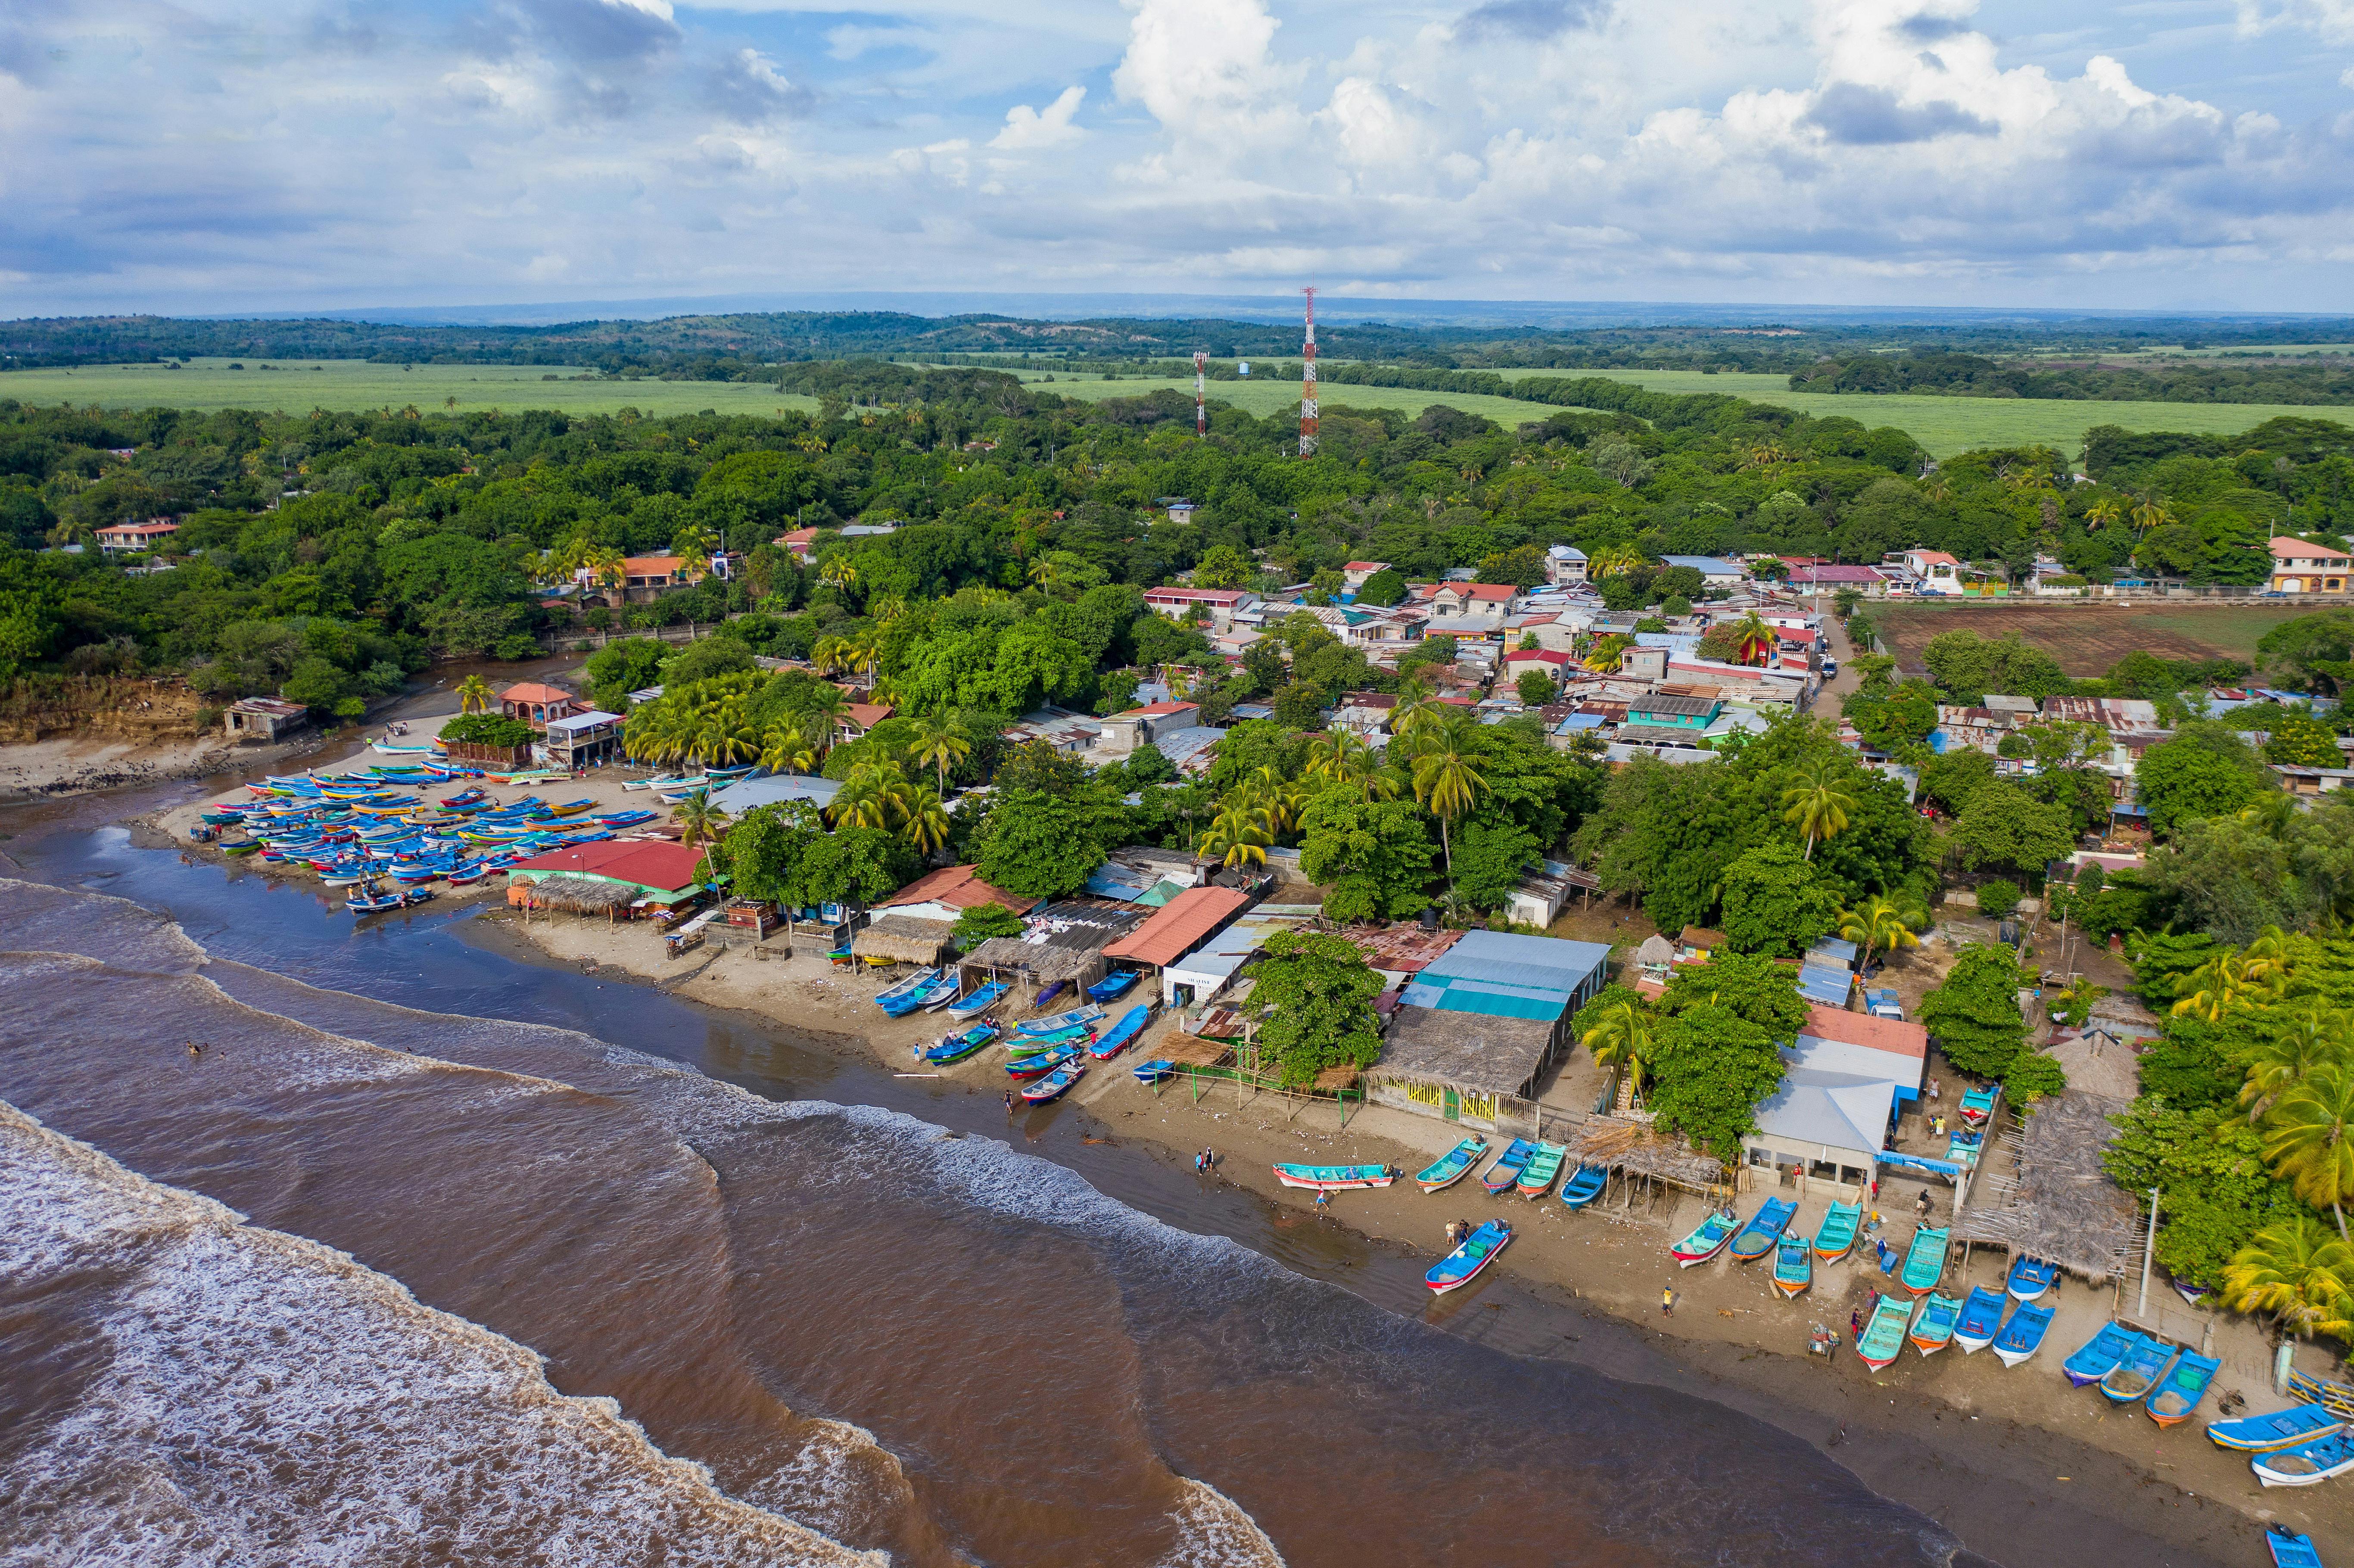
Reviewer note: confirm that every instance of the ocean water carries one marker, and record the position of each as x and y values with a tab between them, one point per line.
539	1271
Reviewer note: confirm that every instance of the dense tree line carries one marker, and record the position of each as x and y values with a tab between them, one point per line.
2321	380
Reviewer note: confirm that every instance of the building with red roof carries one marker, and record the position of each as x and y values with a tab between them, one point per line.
1180	926
945	894
535	704
662	871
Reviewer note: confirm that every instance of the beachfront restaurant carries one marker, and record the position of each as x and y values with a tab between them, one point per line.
1173	930
618	878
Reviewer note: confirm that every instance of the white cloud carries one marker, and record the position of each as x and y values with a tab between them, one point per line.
2333	19
1027	128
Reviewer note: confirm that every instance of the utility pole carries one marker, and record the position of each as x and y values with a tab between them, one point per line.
1307	382
1200	374
2149	1246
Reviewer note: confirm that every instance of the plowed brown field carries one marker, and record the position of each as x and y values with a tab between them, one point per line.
2087	639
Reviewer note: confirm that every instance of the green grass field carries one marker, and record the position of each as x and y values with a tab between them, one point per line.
1281	397
297	386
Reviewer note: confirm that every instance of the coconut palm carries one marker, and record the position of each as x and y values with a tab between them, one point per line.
1757	638
2310	1138
924	823
694	543
1339	755
833	655
1880	925
2268	960
838	573
1603	656
2151	512
1237	835
1612	560
823	712
1623	1035
1819	802
1415	710
475	696
2311	1033
2295	1271
876	795
698	820
939	744
784	749
2101	513
1444	780
2213	989
1278	798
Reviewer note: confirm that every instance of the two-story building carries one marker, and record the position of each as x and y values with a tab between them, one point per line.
2297	566
1929	571
536	704
1181	604
1458	608
1564	566
1354	575
127	536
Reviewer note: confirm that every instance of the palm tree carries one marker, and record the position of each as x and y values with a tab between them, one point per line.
1612	560
1415	710
1756	638
2296	1272
699	821
838	573
831	655
1819	802
694	545
1043	573
2267	961
784	749
1879	925
2151	512
475	696
2310	1138
923	821
1237	835
939	744
2101	513
1339	755
1623	1035
2213	989
825	710
1443	780
1276	799
2314	1032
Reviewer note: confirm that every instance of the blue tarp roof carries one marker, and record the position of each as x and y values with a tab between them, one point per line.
1578	721
1707	563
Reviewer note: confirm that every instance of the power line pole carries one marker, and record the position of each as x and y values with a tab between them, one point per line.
1307	382
1201	374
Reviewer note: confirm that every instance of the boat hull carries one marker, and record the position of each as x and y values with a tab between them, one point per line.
1334	1178
1468	1261
2275	1429
1451	1167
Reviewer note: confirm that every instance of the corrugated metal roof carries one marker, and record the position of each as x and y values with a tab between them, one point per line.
1179	925
1824	986
1453	993
1838	1109
1544	963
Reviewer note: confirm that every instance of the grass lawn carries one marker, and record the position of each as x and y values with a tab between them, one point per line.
1264	398
1950	425
296	387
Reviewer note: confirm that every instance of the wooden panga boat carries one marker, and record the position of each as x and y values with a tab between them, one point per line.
1585	1184
1794	1266
1705	1242
1037	1067
2275	1429
1334	1178
1115	1039
2030	1277
2139	1371
2336	1396
1925	1260
1981	1319
2305	1464
1933	1330
1978	1105
2023	1335
1883	1337
1460	1268
2179	1393
1449	1168
899	998
2290	1550
1153	1072
939	995
1053	1085
980	1001
1835	1237
957	1046
2098	1356
1076	1018
1756	1238
1113	986
1536	1176
1505	1169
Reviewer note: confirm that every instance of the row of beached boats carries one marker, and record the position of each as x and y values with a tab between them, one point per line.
1044	1056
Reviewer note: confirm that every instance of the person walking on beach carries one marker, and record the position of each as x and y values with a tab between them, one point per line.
1855	1323
1667	1301
1009	1105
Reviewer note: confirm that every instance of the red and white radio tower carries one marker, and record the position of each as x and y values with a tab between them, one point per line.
1201	373
1308	383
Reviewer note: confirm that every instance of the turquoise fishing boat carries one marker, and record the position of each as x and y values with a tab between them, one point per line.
2138	1372
1925	1261
1883	1337
1835	1237
1933	1330
1794	1266
1334	1178
1705	1242
1449	1167
1536	1176
1981	1319
2099	1355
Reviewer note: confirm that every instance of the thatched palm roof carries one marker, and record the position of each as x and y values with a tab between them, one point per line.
2042	1192
582	894
905	938
1040	961
1640	1150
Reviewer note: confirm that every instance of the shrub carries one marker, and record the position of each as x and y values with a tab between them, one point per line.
486	729
1997	898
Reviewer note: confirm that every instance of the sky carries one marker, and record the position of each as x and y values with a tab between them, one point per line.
211	156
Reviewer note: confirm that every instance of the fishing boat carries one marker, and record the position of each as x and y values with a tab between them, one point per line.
2179	1392
2139	1371
979	1002
1114	986
1794	1266
2023	1335
1536	1176
365	901
1052	1086
1981	1319
242	847
1933	1330
2307	1463
1076	1016
1115	1039
470	874
1505	1169
1585	1185
2334	1396
1835	1237
1449	1167
2290	1550
900	999
1153	1072
1022	1068
2098	1356
1031	1045
622	818
1460	1268
1707	1241
2030	1277
939	995
957	1046
1925	1260
1883	1338
1977	1106
1334	1178
2275	1429
1756	1238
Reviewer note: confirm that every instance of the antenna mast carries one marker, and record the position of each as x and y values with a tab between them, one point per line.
1307	382
1201	372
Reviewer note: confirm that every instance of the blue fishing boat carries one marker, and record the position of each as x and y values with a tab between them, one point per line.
980	1001
1883	1340
940	994
1052	1086
2099	1355
1114	986
1025	1067
957	1047
2290	1550
2023	1335
1585	1185
1981	1319
900	999
1334	1178
2180	1389
1449	1167
1756	1238
1933	1330
1115	1039
2030	1277
1835	1237
2305	1464
1153	1072
1505	1169
1977	1106
2137	1370
1536	1176
2275	1429
1031	1045
1925	1261
1706	1241
1061	1021
1794	1266
1460	1268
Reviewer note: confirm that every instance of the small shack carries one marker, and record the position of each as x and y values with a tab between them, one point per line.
263	718
584	740
905	939
1062	942
1463	1067
654	873
2043	1193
